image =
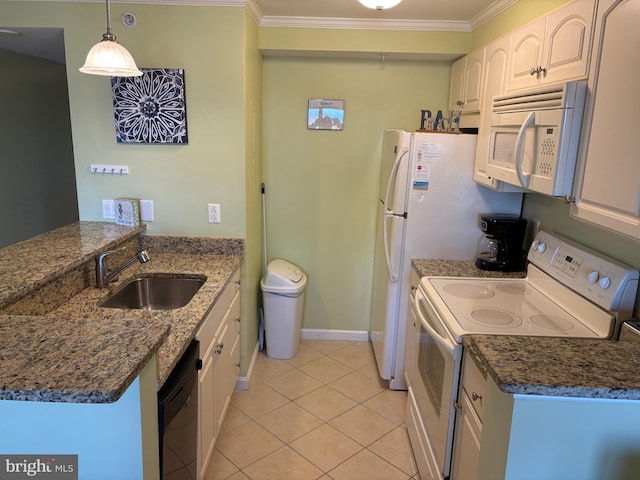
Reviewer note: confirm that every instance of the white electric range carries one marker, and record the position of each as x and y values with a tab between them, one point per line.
570	291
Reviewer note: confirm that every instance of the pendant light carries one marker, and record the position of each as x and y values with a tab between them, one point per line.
109	58
379	4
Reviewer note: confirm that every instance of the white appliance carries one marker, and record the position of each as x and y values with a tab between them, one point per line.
534	137
570	291
428	207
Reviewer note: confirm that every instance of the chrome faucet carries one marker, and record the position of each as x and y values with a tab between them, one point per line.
103	277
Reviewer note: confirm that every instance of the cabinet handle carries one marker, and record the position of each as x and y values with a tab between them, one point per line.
457	406
219	348
475	396
538	70
237	282
238	319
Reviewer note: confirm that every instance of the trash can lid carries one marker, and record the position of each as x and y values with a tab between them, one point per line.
283	276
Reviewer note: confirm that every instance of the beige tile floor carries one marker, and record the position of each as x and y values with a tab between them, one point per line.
323	414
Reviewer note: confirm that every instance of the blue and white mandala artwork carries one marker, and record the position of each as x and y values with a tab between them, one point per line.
150	108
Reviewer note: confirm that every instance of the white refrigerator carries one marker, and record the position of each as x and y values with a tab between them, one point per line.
428	207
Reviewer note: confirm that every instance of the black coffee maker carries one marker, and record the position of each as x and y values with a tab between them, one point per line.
500	248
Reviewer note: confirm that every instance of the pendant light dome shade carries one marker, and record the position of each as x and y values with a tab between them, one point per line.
109	58
379	4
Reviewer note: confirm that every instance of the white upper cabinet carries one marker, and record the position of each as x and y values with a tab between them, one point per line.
456	84
552	49
465	88
494	83
607	183
473	81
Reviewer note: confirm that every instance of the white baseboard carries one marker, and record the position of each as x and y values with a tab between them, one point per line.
243	382
352	335
307	334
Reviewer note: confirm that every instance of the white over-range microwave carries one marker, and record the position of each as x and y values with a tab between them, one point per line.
535	136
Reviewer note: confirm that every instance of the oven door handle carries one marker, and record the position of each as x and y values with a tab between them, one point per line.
444	342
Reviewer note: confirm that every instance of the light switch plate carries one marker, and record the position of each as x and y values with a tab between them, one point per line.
146	210
107	209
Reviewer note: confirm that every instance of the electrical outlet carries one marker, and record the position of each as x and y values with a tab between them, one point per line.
214	213
108	209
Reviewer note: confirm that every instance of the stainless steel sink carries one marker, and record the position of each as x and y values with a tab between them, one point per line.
155	293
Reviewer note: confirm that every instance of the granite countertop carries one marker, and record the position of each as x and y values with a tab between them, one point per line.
457	268
73	360
184	321
28	265
78	351
564	367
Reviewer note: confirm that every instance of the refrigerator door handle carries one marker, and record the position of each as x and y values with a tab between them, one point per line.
393	275
392	177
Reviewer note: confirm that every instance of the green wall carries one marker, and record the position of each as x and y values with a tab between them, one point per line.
252	266
37	179
322	185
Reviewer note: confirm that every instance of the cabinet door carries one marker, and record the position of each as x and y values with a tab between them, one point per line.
495	77
229	351
473	79
608	179
206	411
466	444
567	42
456	84
526	54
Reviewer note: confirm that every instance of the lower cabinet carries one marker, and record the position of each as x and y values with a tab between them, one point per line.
468	428
219	338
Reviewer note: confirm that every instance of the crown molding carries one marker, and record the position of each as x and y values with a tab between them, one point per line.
492	11
365	24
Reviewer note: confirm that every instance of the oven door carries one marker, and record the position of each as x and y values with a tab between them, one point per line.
438	359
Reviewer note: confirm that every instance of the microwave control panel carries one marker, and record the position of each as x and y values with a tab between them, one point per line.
547	151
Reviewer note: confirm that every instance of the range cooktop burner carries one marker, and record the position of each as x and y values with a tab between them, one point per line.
468	290
514	288
495	317
551	322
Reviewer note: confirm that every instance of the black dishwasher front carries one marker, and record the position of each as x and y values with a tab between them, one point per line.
178	418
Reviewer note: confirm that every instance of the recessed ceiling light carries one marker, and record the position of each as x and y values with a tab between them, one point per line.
379	4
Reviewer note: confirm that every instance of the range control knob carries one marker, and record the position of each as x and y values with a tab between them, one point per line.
604	282
535	244
542	247
593	277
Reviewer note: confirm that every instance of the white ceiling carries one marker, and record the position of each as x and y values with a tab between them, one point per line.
459	13
435	15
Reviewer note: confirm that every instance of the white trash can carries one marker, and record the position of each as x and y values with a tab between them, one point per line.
283	299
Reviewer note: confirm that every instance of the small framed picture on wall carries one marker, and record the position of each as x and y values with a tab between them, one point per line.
325	114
